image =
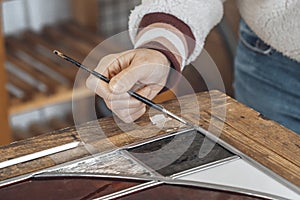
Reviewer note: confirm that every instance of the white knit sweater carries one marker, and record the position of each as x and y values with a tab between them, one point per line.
276	22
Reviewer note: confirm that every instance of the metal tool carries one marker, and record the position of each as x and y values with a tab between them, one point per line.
130	92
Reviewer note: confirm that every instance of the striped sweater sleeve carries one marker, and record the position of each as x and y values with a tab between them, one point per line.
177	28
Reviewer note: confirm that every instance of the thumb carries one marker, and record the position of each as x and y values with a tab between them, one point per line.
126	79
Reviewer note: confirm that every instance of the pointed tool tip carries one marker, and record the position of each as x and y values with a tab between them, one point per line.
58	53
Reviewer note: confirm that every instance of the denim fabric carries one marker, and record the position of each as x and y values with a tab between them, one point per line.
266	80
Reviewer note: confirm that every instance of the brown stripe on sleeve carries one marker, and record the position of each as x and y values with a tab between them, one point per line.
166	45
158	17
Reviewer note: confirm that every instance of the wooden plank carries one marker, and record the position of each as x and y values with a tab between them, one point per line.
90	37
5	135
19	45
62	95
270	144
56	34
13	99
41	77
73	48
74	29
28	89
73	45
49	46
40	40
16	96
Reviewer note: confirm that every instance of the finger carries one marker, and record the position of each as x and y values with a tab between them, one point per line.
94	83
123	104
150	91
107	62
112	64
128	77
127	103
101	88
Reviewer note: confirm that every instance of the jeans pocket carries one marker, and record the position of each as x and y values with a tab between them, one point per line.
249	39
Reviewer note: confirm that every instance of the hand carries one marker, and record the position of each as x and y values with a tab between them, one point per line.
145	69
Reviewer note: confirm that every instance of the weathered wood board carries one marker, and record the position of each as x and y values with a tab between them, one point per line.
268	143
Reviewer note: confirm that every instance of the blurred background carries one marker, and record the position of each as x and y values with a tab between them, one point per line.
36	86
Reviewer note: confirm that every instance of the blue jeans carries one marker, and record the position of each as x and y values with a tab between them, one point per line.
266	80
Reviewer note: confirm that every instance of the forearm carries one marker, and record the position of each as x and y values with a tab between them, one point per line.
177	28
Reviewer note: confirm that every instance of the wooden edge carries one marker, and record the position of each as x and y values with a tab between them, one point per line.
62	95
5	136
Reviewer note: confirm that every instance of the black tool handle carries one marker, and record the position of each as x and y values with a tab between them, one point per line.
146	101
98	75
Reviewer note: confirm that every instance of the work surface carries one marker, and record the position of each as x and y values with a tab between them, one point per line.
263	140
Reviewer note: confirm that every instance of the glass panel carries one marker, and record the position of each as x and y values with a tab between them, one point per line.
114	163
178	153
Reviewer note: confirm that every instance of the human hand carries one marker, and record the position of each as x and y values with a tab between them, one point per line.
145	69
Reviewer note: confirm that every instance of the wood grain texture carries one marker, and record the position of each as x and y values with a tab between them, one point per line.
5	135
270	144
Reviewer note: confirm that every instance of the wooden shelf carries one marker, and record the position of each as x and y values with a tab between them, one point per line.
41	101
31	77
37	79
36	76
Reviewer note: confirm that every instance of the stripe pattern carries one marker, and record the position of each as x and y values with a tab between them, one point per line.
167	34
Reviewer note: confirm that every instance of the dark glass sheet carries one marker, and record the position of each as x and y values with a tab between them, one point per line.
64	188
175	192
178	153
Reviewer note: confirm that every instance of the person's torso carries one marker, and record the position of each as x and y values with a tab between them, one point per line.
276	22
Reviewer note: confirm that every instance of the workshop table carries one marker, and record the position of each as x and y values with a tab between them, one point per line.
268	143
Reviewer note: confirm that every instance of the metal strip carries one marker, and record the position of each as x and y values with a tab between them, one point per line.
15	180
129	190
90	175
202	185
